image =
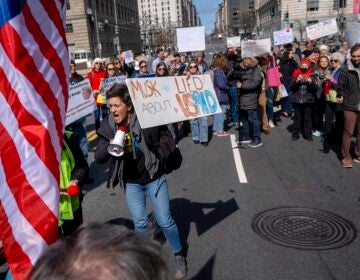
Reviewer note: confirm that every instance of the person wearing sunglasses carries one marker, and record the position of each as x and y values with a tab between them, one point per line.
333	106
95	76
161	70
143	69
349	88
199	126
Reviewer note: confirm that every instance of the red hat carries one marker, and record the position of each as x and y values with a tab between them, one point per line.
305	61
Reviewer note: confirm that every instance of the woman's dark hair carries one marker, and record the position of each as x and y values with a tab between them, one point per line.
166	72
192	62
142	62
121	91
354	48
323	56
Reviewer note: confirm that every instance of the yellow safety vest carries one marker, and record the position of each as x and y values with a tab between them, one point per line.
68	204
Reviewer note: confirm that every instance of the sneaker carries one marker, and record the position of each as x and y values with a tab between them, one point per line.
215	132
255	144
196	141
222	133
357	159
247	141
205	144
271	124
346	163
180	267
316	133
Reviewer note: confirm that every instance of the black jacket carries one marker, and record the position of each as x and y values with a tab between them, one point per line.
287	67
349	87
155	143
303	92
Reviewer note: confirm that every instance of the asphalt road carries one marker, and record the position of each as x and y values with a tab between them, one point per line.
214	211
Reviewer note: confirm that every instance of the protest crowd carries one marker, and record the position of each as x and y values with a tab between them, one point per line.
316	86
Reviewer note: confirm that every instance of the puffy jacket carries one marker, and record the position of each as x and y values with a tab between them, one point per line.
303	92
349	87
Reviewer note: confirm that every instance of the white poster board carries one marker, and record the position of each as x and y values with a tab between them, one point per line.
352	33
129	57
233	42
252	48
108	83
164	100
322	29
282	37
81	101
190	39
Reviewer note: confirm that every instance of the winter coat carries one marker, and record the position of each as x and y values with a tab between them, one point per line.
349	87
303	92
156	143
287	67
221	86
95	76
251	86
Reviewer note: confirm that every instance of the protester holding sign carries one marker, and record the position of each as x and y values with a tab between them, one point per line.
140	171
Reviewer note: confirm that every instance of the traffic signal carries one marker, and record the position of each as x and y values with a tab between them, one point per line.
286	16
272	11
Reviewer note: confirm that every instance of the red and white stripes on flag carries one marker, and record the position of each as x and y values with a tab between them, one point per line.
34	64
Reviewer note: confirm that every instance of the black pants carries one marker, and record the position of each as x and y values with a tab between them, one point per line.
318	113
333	110
302	115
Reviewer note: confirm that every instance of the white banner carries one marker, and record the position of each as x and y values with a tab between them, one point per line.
190	39
252	48
233	42
81	102
129	57
108	83
352	33
282	37
164	100
322	29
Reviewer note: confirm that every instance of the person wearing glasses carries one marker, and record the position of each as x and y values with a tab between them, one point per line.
161	70
110	70
95	76
199	126
143	69
333	106
349	88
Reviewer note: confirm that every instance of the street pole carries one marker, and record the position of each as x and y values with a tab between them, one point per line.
116	30
97	34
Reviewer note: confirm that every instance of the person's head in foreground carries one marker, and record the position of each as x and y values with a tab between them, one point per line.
102	252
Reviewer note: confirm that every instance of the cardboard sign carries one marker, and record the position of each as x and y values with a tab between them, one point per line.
282	37
322	29
190	39
81	101
129	57
233	42
352	33
109	82
252	48
164	100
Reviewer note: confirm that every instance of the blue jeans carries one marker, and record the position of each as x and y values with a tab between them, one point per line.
270	104
234	110
104	112
219	118
157	191
250	120
199	129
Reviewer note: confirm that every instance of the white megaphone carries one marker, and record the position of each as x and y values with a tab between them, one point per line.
116	147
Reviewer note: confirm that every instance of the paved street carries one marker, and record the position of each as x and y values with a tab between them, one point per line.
214	211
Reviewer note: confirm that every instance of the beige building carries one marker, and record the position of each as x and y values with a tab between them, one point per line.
159	19
101	28
273	15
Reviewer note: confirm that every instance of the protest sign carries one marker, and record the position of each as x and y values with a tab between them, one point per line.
282	37
81	102
352	33
129	57
163	100
233	42
252	48
190	39
108	83
322	29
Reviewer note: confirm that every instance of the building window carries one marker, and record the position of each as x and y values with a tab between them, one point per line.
69	28
68	5
312	5
311	22
339	4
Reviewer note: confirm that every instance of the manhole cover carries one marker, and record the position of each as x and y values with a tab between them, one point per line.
304	228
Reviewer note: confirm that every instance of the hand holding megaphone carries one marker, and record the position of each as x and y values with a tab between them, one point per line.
116	147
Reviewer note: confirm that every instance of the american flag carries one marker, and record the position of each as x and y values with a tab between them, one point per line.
34	64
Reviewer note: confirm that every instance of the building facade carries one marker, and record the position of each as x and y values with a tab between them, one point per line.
160	18
102	28
273	15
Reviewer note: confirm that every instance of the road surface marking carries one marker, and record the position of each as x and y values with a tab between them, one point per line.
237	158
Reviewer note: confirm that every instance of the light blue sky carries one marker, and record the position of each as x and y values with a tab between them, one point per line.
207	12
